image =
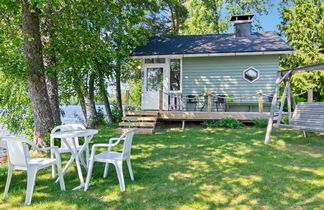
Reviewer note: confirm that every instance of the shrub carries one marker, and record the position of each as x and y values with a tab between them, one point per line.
223	123
115	112
285	120
260	122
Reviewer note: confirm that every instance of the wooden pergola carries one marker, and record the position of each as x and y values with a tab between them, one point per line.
285	76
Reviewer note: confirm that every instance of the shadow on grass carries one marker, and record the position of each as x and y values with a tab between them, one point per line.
196	168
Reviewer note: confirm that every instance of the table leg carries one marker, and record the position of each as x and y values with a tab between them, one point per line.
84	147
77	161
71	159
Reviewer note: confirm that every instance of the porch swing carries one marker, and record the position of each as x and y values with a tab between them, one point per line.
307	116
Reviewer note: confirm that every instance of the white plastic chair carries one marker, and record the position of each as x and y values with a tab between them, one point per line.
64	148
19	159
115	158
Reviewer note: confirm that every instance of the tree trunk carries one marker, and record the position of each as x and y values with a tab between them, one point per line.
50	63
52	89
92	118
118	89
104	95
42	114
80	95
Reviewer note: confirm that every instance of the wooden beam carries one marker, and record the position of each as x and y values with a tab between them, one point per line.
307	68
283	100
273	108
293	102
284	76
289	100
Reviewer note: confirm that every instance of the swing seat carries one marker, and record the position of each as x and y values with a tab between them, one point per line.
308	116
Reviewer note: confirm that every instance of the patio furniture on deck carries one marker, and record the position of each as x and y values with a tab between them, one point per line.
220	103
192	99
72	147
19	159
115	158
64	148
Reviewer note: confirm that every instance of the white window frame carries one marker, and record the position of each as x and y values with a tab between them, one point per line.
166	72
168	76
255	69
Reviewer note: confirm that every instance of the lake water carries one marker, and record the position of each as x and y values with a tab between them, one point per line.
72	114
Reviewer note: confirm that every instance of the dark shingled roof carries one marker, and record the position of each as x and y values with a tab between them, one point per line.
212	43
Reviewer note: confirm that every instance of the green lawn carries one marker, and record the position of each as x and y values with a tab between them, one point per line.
194	169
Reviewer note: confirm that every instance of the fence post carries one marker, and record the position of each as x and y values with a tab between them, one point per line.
161	100
310	94
260	100
209	95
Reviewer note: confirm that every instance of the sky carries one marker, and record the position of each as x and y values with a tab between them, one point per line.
269	22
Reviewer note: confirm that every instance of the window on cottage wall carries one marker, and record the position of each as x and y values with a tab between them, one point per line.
154	60
175	74
251	74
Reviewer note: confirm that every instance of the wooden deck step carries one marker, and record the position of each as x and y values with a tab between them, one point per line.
137	124
155	114
135	118
137	130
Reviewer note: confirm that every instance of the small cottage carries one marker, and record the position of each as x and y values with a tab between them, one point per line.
207	77
225	65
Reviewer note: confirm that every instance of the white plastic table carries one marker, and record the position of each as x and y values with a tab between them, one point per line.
76	155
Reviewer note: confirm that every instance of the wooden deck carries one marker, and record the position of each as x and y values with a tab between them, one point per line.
201	116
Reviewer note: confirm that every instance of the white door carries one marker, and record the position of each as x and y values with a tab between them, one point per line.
153	83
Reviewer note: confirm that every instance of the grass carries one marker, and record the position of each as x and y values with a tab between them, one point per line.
194	169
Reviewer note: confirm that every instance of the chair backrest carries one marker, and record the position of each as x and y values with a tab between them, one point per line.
68	127
191	99
221	98
18	151
128	136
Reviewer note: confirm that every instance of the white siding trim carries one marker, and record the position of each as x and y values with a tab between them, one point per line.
213	54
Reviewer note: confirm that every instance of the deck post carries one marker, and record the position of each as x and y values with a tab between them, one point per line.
161	100
260	100
273	108
310	94
209	95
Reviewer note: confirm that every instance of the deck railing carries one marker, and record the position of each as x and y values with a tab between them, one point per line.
210	102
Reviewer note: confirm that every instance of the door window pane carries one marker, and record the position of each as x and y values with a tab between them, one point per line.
154	79
175	74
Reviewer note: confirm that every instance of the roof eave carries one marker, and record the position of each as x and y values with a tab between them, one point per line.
214	54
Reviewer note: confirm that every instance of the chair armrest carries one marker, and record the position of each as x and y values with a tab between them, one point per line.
55	150
101	145
48	148
111	140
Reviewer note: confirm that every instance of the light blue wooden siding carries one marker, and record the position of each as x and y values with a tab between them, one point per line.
224	75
